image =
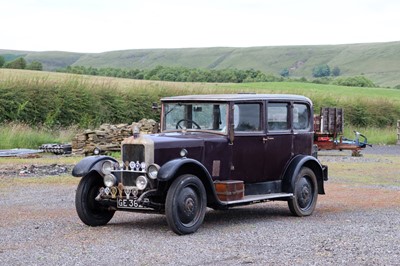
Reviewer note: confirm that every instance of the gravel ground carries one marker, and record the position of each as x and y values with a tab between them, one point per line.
383	150
351	226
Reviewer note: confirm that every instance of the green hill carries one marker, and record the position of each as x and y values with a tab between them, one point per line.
379	62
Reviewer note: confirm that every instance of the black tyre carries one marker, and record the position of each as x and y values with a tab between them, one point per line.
186	203
88	209
305	193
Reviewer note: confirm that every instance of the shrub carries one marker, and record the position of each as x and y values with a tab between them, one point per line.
19	63
358	81
321	71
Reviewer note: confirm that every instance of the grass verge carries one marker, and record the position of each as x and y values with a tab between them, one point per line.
19	135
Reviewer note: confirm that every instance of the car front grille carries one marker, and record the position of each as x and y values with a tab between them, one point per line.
133	153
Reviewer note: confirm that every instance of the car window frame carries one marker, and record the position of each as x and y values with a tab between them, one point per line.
310	118
289	117
260	132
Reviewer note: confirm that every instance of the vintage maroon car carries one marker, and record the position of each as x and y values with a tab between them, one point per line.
216	151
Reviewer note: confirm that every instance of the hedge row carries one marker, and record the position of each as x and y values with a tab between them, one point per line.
72	103
79	102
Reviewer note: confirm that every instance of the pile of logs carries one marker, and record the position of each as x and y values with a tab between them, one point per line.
108	137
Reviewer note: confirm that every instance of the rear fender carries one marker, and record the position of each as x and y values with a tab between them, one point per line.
294	168
90	163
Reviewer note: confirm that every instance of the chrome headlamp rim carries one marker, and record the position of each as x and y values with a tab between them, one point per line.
141	182
109	180
152	170
107	167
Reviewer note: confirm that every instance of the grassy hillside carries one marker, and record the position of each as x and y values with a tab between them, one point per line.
379	62
54	60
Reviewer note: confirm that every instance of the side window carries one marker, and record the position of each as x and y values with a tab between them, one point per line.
301	116
247	117
278	116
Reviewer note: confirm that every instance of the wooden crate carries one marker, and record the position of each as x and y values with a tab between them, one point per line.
229	190
331	121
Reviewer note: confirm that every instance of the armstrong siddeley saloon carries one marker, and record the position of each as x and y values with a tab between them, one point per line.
216	151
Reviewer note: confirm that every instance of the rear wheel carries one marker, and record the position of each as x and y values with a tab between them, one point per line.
186	204
305	193
88	209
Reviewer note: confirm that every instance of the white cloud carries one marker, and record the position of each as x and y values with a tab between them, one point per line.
104	25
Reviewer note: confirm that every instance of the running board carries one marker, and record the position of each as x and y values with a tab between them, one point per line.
259	198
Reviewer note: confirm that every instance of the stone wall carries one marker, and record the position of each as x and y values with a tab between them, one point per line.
109	137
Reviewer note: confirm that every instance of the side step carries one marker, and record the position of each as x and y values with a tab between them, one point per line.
250	199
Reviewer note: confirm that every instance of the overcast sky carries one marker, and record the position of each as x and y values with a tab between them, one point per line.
107	25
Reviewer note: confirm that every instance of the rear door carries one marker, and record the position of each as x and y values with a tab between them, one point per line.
278	143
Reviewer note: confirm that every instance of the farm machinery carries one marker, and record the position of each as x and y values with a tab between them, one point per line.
328	128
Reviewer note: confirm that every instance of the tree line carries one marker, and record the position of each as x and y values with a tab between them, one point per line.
20	63
179	74
323	74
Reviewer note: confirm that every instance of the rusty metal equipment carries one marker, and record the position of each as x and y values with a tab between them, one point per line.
328	128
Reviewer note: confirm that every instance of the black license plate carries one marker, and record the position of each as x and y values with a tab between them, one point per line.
128	204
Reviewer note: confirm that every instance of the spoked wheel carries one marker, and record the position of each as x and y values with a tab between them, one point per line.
305	193
88	209
186	204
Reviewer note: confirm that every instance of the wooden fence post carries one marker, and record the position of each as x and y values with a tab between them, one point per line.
398	132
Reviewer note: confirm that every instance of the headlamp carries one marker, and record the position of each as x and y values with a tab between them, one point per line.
152	170
107	167
141	182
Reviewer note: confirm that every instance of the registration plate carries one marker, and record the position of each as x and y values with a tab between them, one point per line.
128	203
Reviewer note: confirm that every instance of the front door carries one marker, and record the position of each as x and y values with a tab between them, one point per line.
248	147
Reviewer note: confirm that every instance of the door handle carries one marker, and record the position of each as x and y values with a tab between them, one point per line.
267	138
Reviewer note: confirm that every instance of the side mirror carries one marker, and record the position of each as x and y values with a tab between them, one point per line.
155	106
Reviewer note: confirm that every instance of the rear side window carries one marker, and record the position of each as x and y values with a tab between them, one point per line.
278	118
301	116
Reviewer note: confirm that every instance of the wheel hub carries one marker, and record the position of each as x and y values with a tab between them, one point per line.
304	195
189	206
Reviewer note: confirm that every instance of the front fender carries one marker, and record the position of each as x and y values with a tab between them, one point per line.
169	169
181	166
90	163
294	168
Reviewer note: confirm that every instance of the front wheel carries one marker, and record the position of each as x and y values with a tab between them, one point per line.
186	203
305	193
89	210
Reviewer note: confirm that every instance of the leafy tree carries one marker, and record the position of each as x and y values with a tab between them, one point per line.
321	71
2	61
336	71
35	65
284	73
181	74
19	63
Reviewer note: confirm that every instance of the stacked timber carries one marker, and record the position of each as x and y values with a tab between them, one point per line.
108	137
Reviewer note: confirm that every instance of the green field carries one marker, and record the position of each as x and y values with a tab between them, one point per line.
50	100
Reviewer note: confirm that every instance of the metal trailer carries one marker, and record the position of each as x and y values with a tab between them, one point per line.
328	128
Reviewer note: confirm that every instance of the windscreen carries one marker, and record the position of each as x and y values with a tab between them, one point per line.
196	116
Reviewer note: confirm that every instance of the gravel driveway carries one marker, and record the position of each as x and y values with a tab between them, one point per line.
352	225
